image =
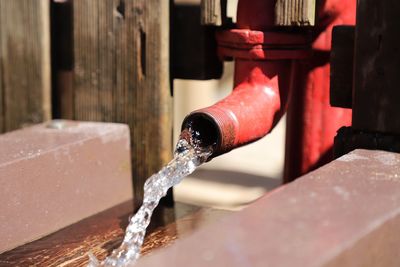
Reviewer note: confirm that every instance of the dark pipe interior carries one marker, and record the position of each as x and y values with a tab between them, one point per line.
204	128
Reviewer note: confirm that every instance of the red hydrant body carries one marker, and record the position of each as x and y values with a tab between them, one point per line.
311	122
266	69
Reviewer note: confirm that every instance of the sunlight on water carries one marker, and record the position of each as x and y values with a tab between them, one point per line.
187	157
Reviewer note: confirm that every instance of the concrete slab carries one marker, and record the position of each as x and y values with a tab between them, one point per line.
57	173
346	213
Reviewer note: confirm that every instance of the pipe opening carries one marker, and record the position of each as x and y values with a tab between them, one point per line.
203	128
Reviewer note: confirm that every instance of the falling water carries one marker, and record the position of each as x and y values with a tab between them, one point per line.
189	154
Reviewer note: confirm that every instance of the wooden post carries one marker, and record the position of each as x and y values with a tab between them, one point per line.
121	74
295	12
377	60
211	12
24	63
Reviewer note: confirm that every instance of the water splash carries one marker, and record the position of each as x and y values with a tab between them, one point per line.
189	154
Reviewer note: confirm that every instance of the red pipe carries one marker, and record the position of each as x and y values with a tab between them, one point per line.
261	86
250	111
263	76
311	122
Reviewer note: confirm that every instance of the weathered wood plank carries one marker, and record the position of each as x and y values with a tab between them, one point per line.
103	232
121	53
377	59
295	13
25	63
211	12
86	53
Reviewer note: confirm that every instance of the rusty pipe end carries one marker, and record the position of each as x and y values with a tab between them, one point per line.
213	126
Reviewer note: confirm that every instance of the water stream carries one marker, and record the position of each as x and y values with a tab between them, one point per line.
189	154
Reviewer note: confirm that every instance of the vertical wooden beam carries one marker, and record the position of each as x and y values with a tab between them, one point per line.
376	73
214	12
25	63
295	12
211	12
121	74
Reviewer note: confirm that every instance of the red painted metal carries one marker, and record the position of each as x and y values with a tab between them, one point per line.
262	45
312	123
254	107
261	87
